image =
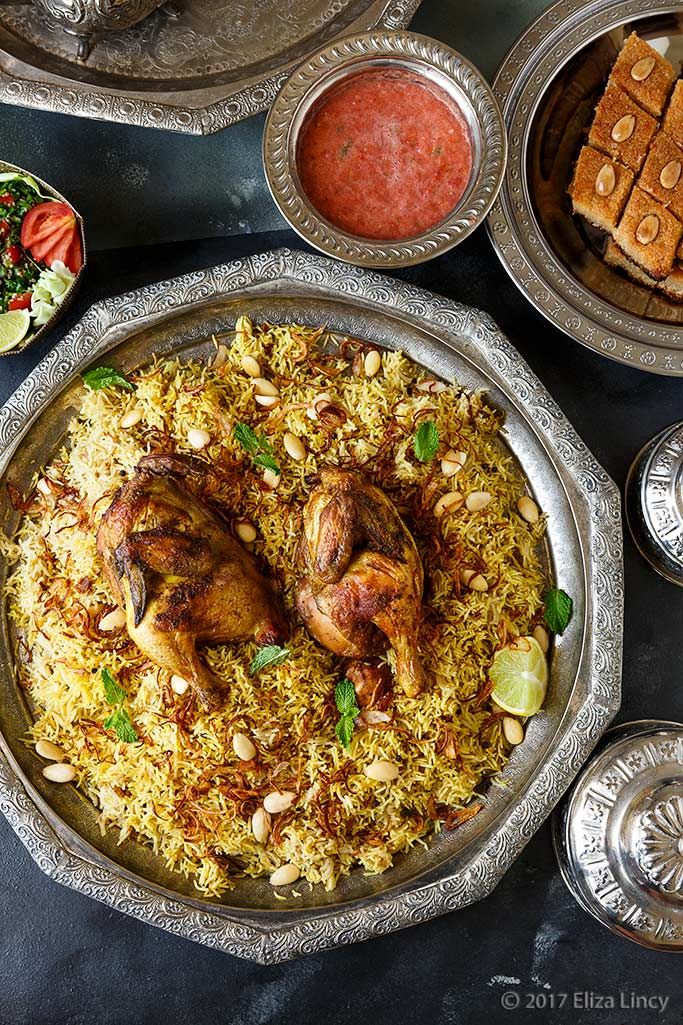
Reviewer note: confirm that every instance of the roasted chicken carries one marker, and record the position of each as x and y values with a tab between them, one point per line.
179	574
361	575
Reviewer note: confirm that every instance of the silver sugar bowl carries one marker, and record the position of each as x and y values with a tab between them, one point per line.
619	834
88	19
654	502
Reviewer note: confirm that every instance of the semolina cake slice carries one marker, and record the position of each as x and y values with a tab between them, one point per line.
600	188
644	74
673	119
648	234
672	285
616	258
662	174
621	128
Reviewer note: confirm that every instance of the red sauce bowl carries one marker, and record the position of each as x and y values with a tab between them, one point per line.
385	149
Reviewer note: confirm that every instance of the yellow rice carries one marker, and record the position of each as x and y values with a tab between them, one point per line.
175	789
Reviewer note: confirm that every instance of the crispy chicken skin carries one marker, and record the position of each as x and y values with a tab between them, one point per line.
179	574
361	575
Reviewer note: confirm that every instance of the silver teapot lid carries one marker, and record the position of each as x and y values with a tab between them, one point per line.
619	834
654	502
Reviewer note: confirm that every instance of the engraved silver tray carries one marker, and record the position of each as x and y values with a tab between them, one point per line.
58	826
547	87
215	64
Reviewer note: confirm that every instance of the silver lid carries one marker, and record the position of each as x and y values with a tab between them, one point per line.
619	834
654	502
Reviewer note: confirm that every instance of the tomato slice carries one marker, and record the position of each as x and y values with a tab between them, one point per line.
50	232
4	230
13	255
74	256
20	302
7	199
59	240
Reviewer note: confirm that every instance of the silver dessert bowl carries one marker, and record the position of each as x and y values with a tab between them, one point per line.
440	67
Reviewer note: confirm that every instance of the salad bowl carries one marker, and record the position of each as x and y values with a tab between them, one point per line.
57	291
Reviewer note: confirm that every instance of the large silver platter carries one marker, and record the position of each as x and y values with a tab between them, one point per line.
584	546
215	64
547	87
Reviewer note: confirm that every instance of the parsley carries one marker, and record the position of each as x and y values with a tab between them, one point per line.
258	447
558	609
426	441
119	721
345	699
271	655
105	377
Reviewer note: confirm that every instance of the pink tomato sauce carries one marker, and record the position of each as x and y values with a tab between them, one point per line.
385	156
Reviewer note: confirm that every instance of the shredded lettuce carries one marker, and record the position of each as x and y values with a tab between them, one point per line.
50	291
11	176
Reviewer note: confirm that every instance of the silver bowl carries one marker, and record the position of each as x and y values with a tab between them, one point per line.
419	55
49	193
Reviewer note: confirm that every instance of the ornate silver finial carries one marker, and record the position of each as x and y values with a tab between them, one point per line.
660	846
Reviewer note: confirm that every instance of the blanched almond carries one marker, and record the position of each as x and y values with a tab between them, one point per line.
277	801
245	531
382	771
262	386
113	620
268	401
131	418
284	875
528	509
648	229
605	181
670	174
198	438
220	358
642	69
541	635
478	583
260	825
372	363
271	479
624	128
431	385
448	503
477	500
251	366
294	446
243	747
374	716
44	487
46	749
59	772
513	730
178	684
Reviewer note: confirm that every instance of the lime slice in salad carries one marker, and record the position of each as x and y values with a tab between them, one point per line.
519	673
13	327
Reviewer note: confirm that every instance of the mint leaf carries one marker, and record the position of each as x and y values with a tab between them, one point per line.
426	441
345	697
258	447
558	609
344	731
114	694
105	377
247	438
267	462
120	722
271	655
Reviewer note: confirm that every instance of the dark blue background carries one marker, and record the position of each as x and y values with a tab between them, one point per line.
66	960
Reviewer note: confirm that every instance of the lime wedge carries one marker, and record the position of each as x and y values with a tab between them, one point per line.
13	327
519	673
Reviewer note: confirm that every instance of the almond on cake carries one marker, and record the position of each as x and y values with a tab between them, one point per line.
600	188
621	128
649	234
644	74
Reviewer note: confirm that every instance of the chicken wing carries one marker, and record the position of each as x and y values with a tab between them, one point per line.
179	574
362	578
